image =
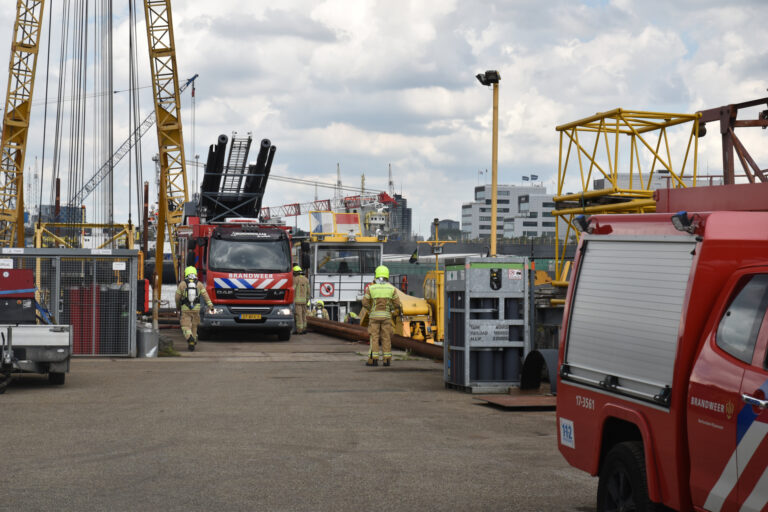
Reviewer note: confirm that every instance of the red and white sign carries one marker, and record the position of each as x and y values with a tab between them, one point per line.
347	223
327	289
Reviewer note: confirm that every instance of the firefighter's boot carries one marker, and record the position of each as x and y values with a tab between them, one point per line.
387	361
191	344
372	362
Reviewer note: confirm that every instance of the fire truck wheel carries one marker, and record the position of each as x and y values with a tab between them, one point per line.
284	335
56	378
622	484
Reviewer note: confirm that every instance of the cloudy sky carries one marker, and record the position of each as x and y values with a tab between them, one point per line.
369	83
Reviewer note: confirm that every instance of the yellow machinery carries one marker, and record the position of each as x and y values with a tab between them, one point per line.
542	277
434	286
18	103
165	86
416	320
617	147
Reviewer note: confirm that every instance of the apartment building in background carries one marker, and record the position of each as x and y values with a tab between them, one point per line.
521	211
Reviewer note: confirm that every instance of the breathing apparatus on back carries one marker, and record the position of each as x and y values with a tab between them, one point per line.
190	277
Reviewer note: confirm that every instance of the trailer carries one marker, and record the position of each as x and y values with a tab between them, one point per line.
43	349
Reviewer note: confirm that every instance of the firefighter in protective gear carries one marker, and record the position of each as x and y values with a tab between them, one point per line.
352	318
189	295
300	300
382	302
320	311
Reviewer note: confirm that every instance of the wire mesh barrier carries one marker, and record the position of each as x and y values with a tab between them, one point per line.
94	291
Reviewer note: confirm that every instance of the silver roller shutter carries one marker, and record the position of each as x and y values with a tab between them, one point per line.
626	313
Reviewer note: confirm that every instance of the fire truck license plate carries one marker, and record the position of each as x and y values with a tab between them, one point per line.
250	316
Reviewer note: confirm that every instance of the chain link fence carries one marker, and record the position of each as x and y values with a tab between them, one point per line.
93	290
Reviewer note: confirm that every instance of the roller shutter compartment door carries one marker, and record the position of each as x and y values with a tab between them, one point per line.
626	312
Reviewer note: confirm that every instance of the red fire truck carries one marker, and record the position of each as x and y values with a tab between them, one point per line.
663	362
246	269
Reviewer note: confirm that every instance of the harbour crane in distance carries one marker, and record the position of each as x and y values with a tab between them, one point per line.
18	103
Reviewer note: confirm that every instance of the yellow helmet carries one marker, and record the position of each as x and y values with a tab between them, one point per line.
190	271
320	303
382	271
296	268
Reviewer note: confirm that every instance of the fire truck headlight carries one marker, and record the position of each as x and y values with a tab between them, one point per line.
217	311
284	311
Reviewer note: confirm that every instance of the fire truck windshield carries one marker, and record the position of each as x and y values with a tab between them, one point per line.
249	255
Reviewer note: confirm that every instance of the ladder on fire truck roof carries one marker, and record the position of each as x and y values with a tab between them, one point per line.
235	189
234	171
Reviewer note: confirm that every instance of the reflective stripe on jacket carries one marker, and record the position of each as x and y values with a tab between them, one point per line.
381	300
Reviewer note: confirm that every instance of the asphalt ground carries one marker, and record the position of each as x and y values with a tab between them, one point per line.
275	426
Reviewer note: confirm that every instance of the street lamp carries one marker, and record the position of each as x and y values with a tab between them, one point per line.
492	77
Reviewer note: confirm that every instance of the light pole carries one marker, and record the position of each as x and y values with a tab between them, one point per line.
492	77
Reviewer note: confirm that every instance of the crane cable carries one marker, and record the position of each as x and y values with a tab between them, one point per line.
136	106
45	118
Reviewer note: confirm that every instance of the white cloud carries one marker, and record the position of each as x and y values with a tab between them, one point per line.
373	82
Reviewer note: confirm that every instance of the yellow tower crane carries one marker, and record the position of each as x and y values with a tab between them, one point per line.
165	86
18	103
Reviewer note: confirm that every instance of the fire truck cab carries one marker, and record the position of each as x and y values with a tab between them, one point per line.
663	362
247	271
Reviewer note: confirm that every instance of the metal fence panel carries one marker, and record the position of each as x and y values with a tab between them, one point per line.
94	291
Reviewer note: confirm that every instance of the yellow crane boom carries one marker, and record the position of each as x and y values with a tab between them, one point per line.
18	103
165	86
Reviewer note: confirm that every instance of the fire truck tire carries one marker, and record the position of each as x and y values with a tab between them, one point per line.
284	335
57	378
622	483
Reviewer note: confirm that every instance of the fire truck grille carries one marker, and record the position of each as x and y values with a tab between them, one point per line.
252	294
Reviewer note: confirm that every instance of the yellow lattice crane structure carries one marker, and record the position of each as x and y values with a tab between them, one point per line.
627	151
18	105
165	86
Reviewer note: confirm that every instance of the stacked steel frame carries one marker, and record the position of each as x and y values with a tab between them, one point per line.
595	144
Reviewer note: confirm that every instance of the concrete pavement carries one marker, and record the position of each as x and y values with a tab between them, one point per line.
267	425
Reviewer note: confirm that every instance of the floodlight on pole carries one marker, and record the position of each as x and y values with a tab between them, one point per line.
492	77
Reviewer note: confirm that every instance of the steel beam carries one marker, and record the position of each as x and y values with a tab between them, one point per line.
360	333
